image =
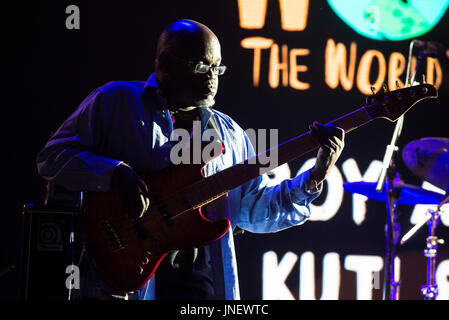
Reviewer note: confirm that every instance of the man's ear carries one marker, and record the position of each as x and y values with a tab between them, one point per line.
162	63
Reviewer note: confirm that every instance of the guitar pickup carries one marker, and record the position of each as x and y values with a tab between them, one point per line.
116	241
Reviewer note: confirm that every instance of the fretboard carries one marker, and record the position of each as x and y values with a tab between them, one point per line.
232	177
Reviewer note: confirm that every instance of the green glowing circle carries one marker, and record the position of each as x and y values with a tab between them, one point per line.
390	20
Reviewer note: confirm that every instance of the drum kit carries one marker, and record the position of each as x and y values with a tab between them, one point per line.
427	159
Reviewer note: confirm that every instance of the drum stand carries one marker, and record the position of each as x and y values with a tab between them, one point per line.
430	290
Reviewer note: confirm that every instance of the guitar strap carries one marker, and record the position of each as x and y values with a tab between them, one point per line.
213	122
215	247
223	265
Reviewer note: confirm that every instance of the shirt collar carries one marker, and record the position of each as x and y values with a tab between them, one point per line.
151	81
151	88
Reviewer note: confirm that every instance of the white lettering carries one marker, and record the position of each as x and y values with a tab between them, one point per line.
331	277
179	152
442	279
274	276
197	310
73	280
264	158
334	197
364	266
352	173
73	20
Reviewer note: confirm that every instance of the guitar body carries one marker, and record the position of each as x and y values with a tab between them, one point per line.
125	251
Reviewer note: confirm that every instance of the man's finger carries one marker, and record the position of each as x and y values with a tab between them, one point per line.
328	129
143	188
324	133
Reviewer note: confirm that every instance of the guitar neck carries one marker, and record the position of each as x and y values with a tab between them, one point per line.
232	177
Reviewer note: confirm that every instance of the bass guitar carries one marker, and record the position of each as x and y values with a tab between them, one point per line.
126	251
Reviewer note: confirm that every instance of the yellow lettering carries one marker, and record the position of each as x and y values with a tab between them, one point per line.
252	13
433	66
256	43
335	65
294	14
396	66
276	66
295	69
363	73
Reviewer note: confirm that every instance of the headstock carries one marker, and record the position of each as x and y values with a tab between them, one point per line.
393	104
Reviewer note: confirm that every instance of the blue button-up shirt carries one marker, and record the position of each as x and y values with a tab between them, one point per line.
128	121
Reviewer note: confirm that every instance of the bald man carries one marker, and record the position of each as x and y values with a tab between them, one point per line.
122	130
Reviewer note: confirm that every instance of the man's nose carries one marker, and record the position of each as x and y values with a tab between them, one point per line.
211	74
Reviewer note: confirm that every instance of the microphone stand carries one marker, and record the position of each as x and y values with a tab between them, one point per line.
392	228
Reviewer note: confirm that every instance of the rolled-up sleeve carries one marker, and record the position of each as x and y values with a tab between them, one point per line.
70	158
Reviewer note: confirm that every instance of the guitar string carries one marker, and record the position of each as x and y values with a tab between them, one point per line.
243	166
128	224
199	185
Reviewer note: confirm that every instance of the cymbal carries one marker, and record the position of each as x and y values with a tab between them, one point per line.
408	195
428	159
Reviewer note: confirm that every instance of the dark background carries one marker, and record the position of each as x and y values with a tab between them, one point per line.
50	70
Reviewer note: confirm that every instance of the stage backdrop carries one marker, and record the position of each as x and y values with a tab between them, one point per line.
290	62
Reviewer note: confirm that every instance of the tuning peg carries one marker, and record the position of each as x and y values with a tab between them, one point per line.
373	90
423	78
384	86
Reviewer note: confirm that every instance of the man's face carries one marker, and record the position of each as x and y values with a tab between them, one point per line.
185	86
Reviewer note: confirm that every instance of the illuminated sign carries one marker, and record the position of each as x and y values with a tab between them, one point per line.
293	14
342	65
365	267
390	19
347	65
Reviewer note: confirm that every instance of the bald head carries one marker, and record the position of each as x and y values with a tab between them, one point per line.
181	46
184	37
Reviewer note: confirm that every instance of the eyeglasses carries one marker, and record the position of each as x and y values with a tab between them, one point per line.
204	68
